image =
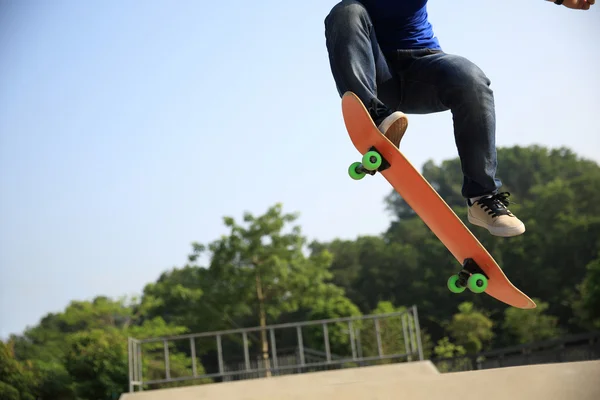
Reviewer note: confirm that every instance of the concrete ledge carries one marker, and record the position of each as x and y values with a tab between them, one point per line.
416	381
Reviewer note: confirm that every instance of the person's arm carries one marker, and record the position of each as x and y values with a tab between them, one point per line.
575	4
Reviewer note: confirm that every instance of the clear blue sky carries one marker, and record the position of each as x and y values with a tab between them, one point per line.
129	129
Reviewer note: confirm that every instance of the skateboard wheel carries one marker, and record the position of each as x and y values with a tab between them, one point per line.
453	285
354	173
372	160
477	283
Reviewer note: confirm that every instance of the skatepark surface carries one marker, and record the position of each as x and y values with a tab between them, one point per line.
414	381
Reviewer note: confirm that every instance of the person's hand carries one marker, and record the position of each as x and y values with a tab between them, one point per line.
579	4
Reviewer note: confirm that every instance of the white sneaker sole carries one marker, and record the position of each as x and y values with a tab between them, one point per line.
394	127
503	231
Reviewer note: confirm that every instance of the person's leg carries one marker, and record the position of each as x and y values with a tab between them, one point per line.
359	66
435	81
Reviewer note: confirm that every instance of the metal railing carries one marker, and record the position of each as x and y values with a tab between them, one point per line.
579	347
357	341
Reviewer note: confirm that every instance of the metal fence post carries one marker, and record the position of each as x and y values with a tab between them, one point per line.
406	337
378	335
326	339
246	353
418	329
130	361
167	364
300	345
352	339
220	354
193	350
274	350
140	366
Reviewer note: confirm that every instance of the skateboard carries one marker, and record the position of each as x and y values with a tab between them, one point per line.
479	272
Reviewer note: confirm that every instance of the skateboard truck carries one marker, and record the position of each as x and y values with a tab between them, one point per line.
470	276
372	161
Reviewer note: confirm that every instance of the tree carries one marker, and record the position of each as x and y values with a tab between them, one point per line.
42	347
18	381
45	346
386	268
191	297
446	349
588	305
81	352
97	362
262	268
450	356
470	328
528	326
346	266
327	307
391	330
554	192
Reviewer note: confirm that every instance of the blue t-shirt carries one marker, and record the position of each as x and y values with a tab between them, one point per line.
401	24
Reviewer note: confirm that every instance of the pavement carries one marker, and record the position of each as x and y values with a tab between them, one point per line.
414	381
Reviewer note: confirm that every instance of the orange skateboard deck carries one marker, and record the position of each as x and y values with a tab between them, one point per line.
479	271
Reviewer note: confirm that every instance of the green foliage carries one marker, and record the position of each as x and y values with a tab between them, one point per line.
96	361
391	331
153	364
259	268
553	191
18	380
263	271
266	267
9	392
588	305
81	353
446	349
339	336
55	382
470	328
528	326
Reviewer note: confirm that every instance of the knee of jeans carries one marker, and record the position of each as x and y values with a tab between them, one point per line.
346	14
467	74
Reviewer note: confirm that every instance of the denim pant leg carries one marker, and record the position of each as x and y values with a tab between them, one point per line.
434	81
357	62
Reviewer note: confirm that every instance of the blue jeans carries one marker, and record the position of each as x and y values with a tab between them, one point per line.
417	82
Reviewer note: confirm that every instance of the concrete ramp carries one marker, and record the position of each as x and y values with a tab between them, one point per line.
415	381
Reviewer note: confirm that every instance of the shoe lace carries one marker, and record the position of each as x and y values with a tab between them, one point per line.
496	205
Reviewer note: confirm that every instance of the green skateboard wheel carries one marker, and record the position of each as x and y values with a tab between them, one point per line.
372	160
453	285
477	283
354	173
